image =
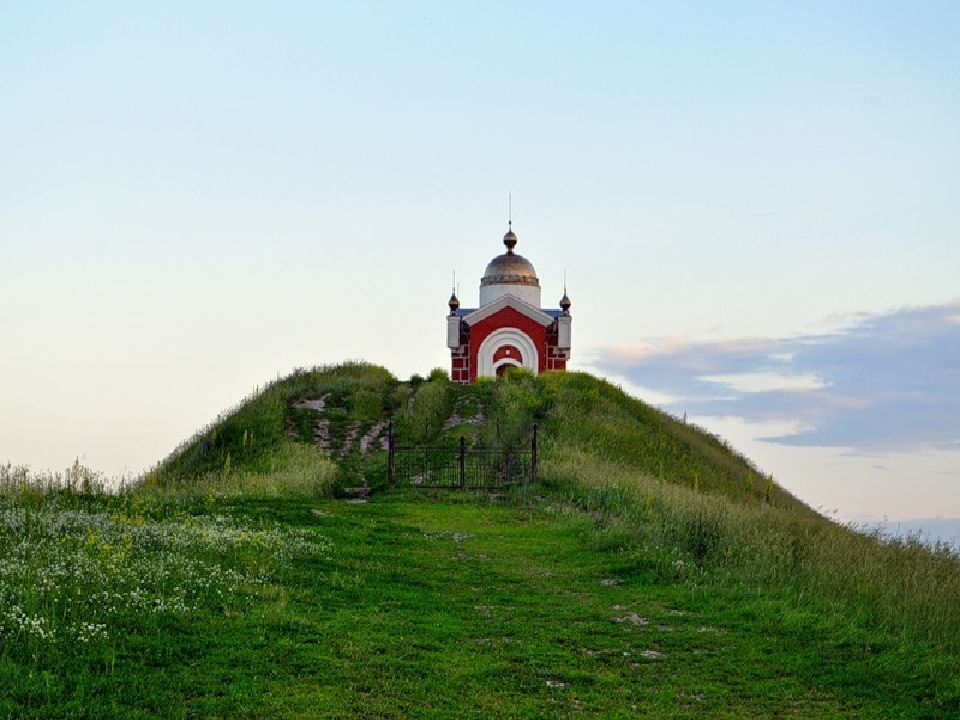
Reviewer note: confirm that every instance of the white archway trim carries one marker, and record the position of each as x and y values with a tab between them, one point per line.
529	357
505	361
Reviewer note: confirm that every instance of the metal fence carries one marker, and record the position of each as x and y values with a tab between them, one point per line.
459	466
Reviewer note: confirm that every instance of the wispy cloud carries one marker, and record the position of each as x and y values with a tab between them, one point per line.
767	381
884	380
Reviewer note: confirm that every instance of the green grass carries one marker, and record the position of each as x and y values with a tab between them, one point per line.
734	523
229	584
448	606
264	433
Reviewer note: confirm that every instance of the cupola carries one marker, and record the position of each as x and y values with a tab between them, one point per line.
510	274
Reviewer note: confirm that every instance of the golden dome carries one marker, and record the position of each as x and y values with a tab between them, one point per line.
510	268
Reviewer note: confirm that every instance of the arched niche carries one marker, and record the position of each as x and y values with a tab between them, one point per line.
516	341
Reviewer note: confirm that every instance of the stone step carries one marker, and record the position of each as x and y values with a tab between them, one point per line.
356	492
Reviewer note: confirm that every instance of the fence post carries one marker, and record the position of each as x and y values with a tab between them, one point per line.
390	452
533	455
463	462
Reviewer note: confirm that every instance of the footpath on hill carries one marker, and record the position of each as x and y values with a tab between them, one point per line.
443	608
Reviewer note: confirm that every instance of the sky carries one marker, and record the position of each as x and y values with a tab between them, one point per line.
754	204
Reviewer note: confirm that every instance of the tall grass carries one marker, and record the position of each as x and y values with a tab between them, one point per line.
80	566
732	531
302	471
260	434
424	408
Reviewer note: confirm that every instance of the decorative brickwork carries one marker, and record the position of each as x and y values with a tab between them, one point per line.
556	358
506	352
507	318
460	358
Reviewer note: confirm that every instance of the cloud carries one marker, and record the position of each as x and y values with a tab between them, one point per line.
882	380
766	381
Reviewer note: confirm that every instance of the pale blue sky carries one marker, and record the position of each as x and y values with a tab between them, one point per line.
194	197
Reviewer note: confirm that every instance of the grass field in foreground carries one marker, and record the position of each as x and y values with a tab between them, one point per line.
651	571
443	606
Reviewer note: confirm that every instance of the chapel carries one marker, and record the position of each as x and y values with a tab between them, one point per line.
509	328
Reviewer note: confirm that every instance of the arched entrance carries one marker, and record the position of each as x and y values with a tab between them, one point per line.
506	346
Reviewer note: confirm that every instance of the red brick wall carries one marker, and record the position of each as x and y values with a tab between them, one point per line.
460	365
463	360
556	359
508	317
507	351
460	358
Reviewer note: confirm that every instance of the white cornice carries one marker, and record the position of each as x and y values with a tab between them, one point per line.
505	301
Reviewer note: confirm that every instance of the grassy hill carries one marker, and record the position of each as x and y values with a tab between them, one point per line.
578	413
652	571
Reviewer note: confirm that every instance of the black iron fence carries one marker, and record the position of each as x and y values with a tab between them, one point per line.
460	466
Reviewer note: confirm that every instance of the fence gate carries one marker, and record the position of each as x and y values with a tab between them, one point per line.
459	466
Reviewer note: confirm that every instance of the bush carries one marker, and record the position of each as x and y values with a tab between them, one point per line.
439	374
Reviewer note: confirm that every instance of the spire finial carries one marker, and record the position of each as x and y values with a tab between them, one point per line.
510	239
454	302
565	300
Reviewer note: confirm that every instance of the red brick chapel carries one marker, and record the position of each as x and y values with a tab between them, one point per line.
509	328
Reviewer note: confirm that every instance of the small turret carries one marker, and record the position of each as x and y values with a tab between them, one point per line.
454	303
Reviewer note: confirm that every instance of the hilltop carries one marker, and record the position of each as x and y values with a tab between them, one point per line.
343	411
651	570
